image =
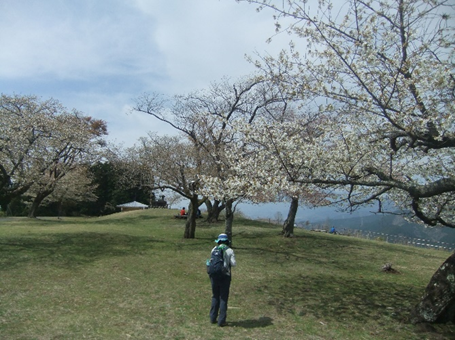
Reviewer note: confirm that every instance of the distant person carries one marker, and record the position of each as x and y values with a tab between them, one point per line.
198	213
183	212
332	231
221	282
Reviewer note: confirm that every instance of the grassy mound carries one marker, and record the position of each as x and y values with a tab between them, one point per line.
132	276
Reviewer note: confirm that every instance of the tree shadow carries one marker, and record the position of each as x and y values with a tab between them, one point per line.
324	295
332	299
328	297
253	323
69	249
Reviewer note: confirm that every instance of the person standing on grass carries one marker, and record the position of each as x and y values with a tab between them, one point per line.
221	283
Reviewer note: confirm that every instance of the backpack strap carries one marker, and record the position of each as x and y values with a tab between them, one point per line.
223	248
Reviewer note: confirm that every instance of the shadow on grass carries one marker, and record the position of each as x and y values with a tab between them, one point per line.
331	297
254	323
328	296
69	250
341	299
131	220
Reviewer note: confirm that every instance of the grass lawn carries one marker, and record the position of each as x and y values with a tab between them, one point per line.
133	276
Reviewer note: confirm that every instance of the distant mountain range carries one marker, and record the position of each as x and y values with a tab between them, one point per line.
363	220
389	224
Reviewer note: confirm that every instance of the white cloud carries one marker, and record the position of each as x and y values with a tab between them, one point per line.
59	39
124	125
205	40
97	56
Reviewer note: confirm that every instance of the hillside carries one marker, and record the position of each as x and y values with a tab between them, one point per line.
132	276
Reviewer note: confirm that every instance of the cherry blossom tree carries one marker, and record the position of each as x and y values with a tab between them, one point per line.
23	122
41	142
205	118
265	172
76	186
134	171
382	75
74	140
173	164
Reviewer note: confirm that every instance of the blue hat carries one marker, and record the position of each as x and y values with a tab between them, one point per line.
221	238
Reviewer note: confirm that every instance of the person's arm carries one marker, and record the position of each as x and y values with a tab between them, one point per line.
232	261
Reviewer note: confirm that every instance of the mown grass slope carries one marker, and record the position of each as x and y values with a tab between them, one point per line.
132	276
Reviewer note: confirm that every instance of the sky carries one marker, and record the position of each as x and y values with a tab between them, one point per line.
98	56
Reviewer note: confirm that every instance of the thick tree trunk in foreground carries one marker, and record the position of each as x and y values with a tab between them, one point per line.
288	226
438	303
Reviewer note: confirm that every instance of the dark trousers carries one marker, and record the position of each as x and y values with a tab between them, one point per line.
220	296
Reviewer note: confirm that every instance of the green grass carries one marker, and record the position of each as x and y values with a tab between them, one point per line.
132	276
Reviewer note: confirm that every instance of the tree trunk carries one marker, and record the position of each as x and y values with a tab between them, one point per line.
288	226
229	218
190	226
60	209
4	204
7	195
209	206
438	302
37	202
213	210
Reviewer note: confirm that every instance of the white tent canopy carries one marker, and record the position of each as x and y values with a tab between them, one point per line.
132	206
